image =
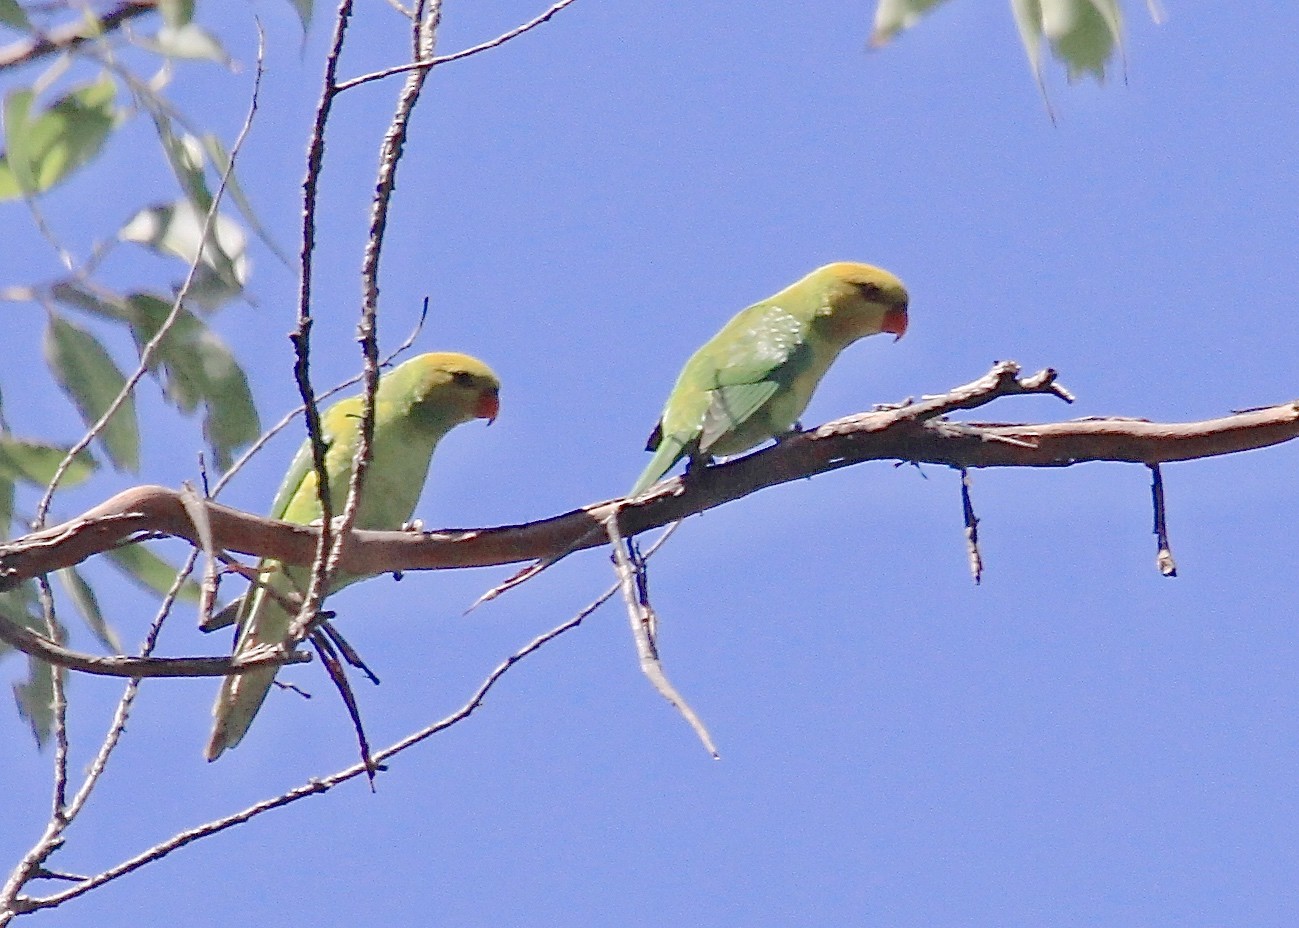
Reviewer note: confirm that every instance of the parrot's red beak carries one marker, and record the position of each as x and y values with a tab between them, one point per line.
489	404
895	322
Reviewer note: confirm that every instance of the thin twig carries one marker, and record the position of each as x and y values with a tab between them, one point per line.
24	639
118	725
536	567
329	658
426	63
32	865
59	700
45	874
424	38
197	512
314	786
301	337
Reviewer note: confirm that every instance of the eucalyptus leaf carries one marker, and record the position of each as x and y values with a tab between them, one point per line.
43	149
19	606
304	8
231	422
221	161
97	301
13	16
176	13
151	571
196	367
35	695
88	375
35	699
35	462
87	605
6	505
894	16
185	156
1084	34
176	229
16	174
190	41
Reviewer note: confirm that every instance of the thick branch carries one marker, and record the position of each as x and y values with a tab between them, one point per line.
915	432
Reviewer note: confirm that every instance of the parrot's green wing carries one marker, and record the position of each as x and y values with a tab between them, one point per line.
752	381
298	470
731	407
338	429
759	354
752	359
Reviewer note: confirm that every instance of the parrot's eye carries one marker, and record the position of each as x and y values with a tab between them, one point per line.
462	378
869	291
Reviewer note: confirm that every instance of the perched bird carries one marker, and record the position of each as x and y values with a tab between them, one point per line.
753	379
416	404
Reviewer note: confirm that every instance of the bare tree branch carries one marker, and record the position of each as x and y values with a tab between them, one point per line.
424	38
644	629
312	787
425	63
17	905
301	337
914	432
27	641
79	31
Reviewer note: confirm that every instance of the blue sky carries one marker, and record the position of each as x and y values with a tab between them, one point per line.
1078	741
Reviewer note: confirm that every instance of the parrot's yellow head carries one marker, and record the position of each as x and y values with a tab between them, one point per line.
860	299
447	384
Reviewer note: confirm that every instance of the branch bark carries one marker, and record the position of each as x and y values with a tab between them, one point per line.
29	642
77	32
915	432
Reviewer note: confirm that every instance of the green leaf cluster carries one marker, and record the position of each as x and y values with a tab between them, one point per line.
55	128
1083	35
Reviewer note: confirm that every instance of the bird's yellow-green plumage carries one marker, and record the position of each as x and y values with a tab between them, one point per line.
416	404
753	379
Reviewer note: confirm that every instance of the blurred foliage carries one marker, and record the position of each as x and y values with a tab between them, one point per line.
76	73
1083	35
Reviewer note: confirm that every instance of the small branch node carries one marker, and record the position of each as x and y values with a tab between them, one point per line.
1044	381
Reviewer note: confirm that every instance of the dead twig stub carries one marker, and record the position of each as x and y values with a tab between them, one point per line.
644	628
1164	558
971	529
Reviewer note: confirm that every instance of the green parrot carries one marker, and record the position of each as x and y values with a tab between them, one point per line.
753	379
416	404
